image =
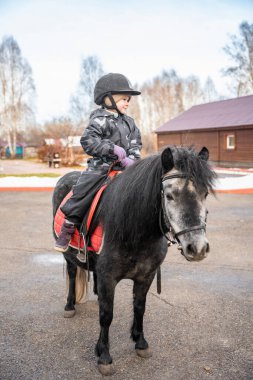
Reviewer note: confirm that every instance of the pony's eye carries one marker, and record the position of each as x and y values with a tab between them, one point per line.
169	197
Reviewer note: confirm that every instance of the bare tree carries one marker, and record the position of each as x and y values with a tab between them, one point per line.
82	101
163	98
210	93
240	51
58	136
193	93
160	97
17	92
156	101
60	128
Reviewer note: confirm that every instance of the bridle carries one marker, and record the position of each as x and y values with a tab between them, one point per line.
165	225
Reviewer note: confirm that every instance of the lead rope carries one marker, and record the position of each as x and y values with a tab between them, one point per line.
158	280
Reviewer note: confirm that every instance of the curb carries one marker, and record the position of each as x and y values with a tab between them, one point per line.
48	189
233	171
235	191
27	189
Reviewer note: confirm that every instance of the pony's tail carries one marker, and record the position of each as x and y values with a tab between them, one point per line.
81	284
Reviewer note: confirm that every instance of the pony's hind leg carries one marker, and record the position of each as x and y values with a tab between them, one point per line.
69	310
95	287
139	293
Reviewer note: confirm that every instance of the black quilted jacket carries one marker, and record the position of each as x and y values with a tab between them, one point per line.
105	129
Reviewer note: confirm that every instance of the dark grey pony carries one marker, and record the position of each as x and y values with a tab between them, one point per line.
160	196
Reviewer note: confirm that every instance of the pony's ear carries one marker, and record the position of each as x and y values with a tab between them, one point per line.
167	159
204	153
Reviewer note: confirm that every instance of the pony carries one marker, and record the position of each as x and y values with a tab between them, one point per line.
159	199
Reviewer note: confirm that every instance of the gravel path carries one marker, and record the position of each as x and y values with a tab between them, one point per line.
28	167
200	327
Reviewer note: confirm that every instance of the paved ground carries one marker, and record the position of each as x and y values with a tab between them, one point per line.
200	327
24	167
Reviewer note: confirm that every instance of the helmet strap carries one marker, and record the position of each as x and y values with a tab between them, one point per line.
113	106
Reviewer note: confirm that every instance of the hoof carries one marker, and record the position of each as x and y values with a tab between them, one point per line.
106	369
147	353
69	313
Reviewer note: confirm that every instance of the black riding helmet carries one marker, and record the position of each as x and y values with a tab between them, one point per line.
111	84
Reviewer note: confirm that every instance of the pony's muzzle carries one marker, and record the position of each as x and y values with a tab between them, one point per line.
196	252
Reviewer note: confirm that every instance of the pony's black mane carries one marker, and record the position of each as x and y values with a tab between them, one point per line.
132	201
187	160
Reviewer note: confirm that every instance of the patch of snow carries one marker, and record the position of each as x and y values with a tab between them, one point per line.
227	183
235	183
28	181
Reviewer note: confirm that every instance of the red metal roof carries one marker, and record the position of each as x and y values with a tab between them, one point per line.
225	113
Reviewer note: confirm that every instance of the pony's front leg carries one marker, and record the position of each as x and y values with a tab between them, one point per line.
140	291
106	289
69	310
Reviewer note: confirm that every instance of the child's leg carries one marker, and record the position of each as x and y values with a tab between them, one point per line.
78	205
64	238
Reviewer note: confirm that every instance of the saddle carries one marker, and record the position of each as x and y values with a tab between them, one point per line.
93	237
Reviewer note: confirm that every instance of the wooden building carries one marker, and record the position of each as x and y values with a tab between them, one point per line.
225	127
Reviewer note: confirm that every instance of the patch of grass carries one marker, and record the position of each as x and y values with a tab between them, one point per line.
52	175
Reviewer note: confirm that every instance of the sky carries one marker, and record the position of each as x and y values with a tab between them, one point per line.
137	38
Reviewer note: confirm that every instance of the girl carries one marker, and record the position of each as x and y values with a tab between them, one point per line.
110	136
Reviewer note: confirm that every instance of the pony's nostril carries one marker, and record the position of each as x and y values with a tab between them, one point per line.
204	250
191	250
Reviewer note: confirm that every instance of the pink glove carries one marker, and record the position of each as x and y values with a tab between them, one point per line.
120	152
126	162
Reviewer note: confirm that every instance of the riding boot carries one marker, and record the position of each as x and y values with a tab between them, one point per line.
65	236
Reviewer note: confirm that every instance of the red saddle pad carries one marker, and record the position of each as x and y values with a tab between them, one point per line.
77	239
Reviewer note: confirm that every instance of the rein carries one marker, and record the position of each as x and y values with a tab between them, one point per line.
168	231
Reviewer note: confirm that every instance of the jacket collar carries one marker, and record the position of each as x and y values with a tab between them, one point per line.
103	112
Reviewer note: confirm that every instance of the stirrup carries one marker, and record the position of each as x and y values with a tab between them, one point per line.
81	257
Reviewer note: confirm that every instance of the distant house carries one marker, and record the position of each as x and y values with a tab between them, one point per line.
69	149
225	127
23	150
70	141
19	151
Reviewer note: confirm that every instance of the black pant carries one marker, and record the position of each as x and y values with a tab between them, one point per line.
84	191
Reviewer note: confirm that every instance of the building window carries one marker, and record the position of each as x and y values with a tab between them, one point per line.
230	142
